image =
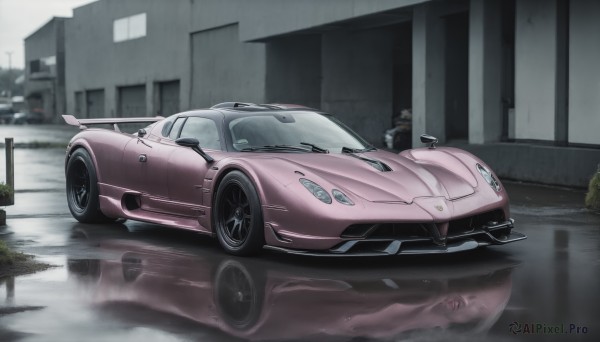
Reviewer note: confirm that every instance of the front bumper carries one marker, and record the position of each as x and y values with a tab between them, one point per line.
491	234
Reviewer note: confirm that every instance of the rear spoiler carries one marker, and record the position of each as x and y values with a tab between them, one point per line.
83	123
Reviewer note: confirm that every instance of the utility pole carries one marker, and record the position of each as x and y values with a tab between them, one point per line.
9	53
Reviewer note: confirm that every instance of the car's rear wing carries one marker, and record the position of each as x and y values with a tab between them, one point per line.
83	123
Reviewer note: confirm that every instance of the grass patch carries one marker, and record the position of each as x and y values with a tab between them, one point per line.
16	263
5	190
592	199
8	256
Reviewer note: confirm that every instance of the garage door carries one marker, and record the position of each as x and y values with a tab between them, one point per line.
95	103
78	104
169	98
132	101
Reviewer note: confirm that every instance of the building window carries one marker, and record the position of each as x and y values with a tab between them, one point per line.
34	66
131	27
42	64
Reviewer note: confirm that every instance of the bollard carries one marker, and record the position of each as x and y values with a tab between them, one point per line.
10	179
10	167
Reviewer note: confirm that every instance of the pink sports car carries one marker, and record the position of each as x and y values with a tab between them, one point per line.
287	178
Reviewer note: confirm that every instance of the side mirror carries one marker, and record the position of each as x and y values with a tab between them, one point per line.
429	139
194	144
188	142
141	133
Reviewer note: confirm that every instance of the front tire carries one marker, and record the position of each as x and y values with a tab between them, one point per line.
82	188
239	294
238	216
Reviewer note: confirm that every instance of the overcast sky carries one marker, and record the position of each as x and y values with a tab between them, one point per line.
20	18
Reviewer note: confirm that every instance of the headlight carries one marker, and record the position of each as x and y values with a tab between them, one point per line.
489	177
341	197
316	190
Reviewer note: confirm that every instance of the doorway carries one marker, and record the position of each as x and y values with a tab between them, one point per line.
457	76
401	121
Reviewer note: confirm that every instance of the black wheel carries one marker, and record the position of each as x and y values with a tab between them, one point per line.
239	294
238	216
82	189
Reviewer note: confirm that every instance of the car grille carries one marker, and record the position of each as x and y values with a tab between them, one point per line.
386	231
418	230
470	223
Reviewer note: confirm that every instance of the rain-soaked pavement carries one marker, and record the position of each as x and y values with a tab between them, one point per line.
141	282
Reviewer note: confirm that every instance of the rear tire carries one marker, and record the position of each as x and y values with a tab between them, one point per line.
82	189
238	215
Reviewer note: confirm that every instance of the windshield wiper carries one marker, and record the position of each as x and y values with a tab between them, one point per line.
315	148
275	148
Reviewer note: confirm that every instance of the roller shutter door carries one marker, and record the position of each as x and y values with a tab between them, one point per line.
132	101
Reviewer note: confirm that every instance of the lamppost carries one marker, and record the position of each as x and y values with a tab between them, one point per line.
9	53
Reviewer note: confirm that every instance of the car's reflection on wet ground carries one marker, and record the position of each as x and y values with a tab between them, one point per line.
292	299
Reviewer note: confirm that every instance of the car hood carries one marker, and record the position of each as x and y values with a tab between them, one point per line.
407	179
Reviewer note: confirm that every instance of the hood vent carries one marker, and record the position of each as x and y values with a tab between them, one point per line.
381	166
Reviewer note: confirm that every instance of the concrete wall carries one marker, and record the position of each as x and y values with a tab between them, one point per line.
94	61
294	70
584	74
225	69
357	79
261	19
564	166
209	14
535	59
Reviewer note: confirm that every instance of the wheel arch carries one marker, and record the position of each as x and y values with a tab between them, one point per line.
82	144
246	171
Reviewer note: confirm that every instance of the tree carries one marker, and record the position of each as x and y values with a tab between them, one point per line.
7	82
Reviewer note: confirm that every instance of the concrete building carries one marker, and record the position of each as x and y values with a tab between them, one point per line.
514	81
45	69
129	58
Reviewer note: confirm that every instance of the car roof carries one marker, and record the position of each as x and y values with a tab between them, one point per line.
249	109
253	106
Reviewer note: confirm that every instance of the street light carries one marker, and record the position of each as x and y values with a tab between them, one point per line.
9	53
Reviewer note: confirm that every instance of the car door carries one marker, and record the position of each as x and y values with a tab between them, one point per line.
145	164
187	169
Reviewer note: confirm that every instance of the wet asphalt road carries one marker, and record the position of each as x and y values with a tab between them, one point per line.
141	282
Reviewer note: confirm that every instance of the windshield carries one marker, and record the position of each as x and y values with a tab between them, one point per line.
293	129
